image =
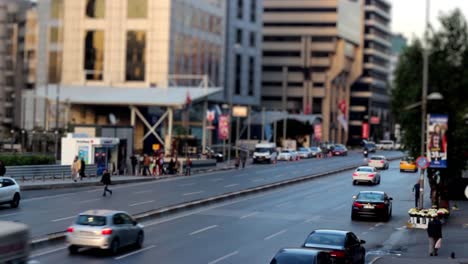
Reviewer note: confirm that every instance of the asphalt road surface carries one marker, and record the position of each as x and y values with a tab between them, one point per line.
252	229
48	211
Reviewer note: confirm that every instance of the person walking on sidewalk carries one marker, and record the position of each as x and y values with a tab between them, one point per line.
2	169
434	232
416	188
188	167
133	161
146	165
82	168
106	180
75	168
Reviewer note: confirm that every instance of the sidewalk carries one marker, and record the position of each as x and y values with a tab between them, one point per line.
414	243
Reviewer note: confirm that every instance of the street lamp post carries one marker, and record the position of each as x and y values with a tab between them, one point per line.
12	139
56	144
22	139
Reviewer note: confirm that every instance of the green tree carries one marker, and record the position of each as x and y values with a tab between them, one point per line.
448	75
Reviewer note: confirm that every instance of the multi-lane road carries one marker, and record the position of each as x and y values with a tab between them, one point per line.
253	228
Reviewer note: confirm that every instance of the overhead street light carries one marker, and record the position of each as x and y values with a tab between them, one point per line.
432	97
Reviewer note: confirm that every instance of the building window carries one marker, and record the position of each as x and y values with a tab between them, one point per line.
239	36
55	66
95	8
317	105
281	38
56	8
251	76
137	8
136	59
253	38
94	55
238	74
54	35
282	53
253	11
240	9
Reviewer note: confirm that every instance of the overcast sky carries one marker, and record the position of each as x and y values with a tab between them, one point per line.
408	16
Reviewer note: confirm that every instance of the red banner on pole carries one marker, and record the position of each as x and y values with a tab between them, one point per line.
365	130
223	127
318	132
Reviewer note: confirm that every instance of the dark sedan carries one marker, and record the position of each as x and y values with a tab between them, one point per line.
340	150
343	246
373	204
301	256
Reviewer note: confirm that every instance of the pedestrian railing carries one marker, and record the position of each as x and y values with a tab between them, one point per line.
45	172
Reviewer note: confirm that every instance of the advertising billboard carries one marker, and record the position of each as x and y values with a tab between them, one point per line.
436	139
223	127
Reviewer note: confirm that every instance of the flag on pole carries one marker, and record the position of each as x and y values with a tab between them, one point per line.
188	101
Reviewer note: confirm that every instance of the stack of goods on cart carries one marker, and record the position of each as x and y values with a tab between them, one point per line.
427	214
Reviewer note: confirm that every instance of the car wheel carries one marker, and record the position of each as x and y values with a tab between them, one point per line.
72	249
416	170
401	170
140	239
15	202
378	181
354	216
114	247
354	182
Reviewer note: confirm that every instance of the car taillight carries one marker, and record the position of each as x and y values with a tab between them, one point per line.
382	161
356	204
371	175
380	206
70	230
337	254
106	231
355	174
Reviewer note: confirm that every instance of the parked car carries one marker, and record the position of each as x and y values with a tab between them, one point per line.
104	229
386	145
265	152
287	154
372	203
366	174
343	246
9	192
315	151
211	154
301	256
379	162
340	150
305	153
370	146
408	164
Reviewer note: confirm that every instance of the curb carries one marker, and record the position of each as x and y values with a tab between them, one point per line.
157	213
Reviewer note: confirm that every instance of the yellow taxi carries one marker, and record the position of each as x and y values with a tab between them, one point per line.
408	164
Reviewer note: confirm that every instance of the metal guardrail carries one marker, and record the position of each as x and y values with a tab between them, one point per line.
45	172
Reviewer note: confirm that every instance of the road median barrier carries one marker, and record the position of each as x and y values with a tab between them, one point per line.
59	237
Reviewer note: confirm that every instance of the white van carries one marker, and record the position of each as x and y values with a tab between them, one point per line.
265	152
386	145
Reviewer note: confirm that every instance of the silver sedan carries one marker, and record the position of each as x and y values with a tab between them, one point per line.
104	229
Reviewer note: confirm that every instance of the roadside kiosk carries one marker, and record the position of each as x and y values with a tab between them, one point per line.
97	150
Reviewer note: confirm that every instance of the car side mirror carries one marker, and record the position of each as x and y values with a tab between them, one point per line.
362	241
354	197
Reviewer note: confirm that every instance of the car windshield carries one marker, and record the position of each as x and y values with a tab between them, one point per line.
376	158
339	147
364	169
314	148
325	239
303	150
262	150
407	159
370	196
285	151
91	220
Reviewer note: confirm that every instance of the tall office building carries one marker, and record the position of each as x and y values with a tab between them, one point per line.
312	53
12	33
398	45
243	51
370	97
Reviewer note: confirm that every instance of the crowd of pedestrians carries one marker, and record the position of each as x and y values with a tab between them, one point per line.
156	165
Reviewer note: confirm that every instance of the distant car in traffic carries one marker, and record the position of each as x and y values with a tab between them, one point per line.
372	203
287	154
370	146
408	164
340	150
14	242
315	151
211	154
366	174
305	153
9	192
104	229
301	256
265	152
343	246
379	162
386	145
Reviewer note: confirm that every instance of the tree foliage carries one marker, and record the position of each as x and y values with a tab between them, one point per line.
448	75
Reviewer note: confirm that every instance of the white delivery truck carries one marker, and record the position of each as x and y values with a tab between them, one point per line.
265	152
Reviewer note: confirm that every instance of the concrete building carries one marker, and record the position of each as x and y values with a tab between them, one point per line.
12	37
243	51
124	43
370	96
312	53
399	43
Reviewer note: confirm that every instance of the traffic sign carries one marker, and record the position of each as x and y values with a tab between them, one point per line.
422	162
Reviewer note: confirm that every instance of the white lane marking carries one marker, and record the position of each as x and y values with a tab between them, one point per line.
375	260
364	233
379	224
47	252
135	204
91	200
223	257
282	204
312	219
192	193
94	190
187	184
275	234
231	185
248	215
5	215
144	191
216	180
203	230
135	252
65	218
372	228
241	175
258	180
47	197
